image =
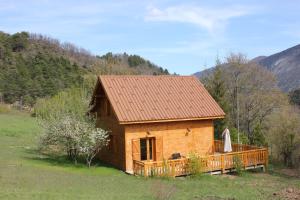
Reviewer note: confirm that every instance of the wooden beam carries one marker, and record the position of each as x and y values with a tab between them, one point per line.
172	120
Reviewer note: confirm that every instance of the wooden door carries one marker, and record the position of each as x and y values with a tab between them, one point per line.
136	154
147	146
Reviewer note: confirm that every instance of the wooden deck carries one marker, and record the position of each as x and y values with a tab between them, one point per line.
219	162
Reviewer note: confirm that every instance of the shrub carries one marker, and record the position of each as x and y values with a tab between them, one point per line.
238	165
166	169
71	102
234	136
258	137
195	165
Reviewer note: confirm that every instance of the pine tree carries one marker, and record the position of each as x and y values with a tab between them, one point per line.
216	87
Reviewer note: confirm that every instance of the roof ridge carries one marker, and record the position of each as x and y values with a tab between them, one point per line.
154	76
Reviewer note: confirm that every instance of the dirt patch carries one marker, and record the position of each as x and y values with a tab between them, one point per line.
288	193
229	176
291	172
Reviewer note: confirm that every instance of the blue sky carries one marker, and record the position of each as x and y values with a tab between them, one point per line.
182	36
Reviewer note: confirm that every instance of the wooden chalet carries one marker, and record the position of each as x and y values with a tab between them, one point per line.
155	122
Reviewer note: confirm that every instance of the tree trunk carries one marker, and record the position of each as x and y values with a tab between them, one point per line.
89	161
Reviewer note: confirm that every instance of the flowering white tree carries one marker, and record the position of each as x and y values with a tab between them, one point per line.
92	142
64	133
66	125
76	137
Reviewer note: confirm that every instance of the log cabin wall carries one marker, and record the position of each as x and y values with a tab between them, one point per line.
171	137
114	153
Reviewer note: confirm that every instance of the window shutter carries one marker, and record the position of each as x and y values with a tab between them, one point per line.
159	148
136	154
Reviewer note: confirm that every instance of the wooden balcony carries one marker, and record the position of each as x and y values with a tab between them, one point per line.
219	162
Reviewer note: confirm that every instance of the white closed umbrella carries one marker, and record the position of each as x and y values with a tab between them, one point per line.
227	140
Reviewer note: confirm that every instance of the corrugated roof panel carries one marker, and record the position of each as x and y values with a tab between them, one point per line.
154	98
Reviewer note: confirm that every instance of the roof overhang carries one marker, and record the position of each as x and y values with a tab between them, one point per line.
171	120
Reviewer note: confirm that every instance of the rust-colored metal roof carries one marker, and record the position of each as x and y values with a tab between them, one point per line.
139	99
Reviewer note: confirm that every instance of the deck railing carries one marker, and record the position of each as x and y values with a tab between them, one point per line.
228	161
219	147
244	155
176	167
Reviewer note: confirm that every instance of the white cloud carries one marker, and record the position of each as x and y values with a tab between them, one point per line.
211	19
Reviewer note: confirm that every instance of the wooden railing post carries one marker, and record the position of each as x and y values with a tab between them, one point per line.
244	160
173	169
222	163
266	158
255	154
145	170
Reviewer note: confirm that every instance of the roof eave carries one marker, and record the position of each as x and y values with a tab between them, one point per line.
170	120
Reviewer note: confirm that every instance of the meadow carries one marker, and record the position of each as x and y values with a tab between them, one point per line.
25	173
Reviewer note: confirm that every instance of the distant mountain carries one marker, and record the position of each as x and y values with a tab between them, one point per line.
259	58
285	65
34	66
204	73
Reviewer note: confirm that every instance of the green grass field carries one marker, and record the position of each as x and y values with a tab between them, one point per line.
27	174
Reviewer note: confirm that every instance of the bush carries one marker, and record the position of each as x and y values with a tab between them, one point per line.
258	137
195	165
238	165
71	102
234	136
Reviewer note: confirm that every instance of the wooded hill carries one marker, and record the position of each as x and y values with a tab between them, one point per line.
34	66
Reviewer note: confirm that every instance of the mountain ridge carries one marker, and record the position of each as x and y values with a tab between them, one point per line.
285	65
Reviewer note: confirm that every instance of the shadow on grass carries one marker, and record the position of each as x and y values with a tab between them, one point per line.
62	161
278	170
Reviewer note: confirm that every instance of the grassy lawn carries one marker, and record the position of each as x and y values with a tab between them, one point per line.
26	174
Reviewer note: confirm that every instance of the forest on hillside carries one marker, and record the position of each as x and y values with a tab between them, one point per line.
34	66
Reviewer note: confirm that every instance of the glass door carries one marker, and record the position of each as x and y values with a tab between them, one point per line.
146	148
